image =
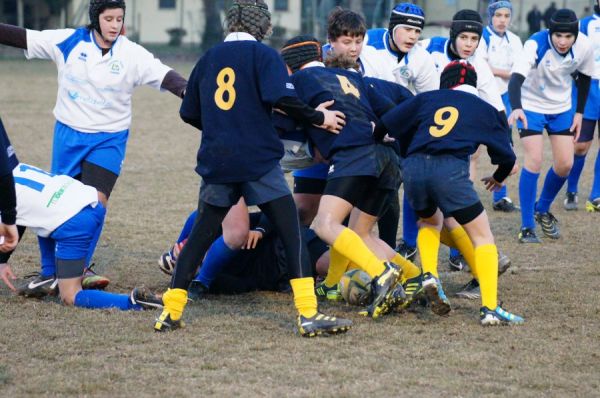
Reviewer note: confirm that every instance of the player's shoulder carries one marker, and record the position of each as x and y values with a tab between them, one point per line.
513	38
436	44
376	38
583	42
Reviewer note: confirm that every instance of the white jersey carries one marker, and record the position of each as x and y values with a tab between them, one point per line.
486	83
46	201
548	83
499	52
94	91
590	26
416	70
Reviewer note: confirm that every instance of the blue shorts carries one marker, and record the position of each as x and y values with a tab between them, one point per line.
592	105
440	181
379	161
71	148
73	239
506	102
267	188
558	124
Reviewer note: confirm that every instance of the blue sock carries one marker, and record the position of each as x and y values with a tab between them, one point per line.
575	173
454	252
187	227
97	299
409	223
217	257
503	192
596	186
527	194
47	254
552	185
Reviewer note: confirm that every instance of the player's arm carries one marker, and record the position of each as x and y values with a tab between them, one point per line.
500	151
9	236
521	68
13	36
190	106
175	83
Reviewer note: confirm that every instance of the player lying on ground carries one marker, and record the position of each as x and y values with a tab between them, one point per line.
230	97
540	95
98	70
438	131
62	209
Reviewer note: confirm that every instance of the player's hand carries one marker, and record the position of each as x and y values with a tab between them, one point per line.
576	126
253	237
515	115
6	274
9	237
491	184
334	120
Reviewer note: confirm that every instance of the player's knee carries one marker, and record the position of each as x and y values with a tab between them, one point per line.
322	227
582	148
235	238
563	168
533	164
306	215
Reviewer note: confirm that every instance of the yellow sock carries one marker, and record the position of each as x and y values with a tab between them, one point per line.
175	301
352	266
351	246
465	246
304	296
446	238
486	257
409	270
428	242
337	267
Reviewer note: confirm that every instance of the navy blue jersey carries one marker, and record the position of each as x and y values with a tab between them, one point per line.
230	96
8	158
352	96
449	122
395	92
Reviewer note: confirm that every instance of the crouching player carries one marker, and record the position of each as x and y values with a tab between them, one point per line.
437	132
64	210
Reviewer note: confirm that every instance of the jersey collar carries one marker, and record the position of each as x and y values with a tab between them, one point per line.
240	36
492	31
93	38
313	64
467	88
386	43
556	51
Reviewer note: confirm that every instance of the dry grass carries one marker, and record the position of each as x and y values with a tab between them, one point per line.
245	345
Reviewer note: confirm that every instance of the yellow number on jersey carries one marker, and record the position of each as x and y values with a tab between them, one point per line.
225	80
445	119
347	87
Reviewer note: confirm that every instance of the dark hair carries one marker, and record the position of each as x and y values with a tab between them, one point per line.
341	22
341	61
97	7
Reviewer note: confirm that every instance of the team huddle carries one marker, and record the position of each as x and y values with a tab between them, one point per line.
353	119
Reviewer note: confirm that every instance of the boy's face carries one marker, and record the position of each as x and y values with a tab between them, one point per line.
501	20
350	46
563	41
406	37
111	23
466	44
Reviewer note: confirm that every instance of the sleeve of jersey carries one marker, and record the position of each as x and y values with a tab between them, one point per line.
428	78
190	106
44	44
150	71
526	59
273	79
400	119
380	102
486	85
499	148
588	65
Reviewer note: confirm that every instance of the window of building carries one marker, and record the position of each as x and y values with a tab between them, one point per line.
167	4
281	5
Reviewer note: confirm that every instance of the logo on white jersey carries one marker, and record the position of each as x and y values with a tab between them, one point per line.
115	67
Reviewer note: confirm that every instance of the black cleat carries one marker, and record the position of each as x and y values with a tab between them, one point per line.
146	299
164	323
505	205
382	287
470	291
322	324
435	293
197	291
38	286
528	235
406	251
592	206
504	263
549	224
571	201
457	263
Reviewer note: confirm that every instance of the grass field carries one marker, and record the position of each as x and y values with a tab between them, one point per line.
246	345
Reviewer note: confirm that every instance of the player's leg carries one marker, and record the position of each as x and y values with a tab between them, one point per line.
167	260
593	202
562	151
410	229
388	222
582	147
533	144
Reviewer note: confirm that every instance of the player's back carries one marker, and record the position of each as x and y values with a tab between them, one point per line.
318	84
448	122
235	85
